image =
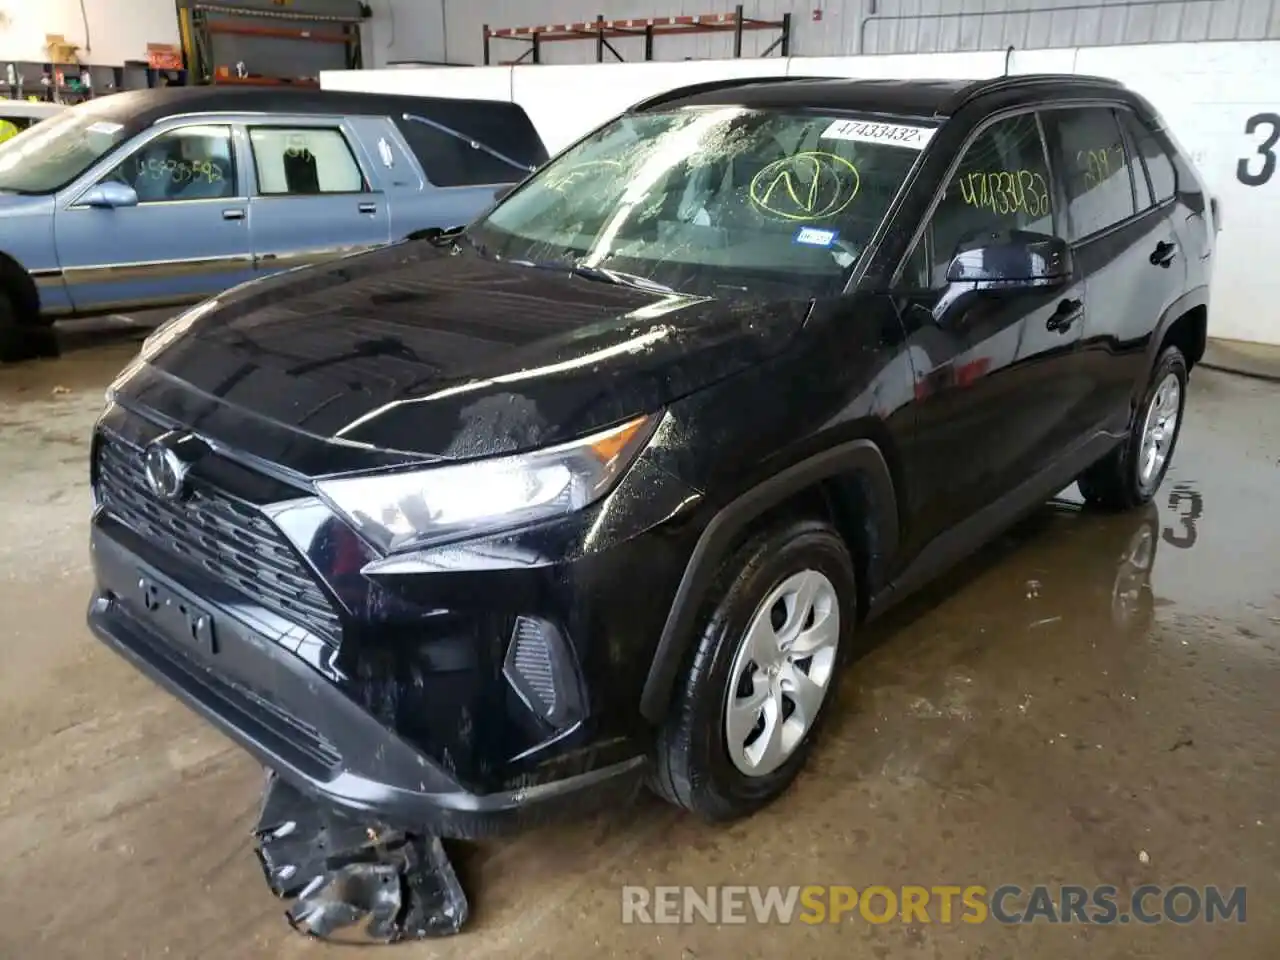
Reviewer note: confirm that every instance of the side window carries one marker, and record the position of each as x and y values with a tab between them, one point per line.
1001	185
1090	156
451	161
304	161
1141	183
187	163
1159	166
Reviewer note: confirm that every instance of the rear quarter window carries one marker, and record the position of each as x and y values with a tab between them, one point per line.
465	143
1157	162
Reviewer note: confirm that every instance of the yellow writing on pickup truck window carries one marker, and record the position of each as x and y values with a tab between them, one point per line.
1005	192
179	171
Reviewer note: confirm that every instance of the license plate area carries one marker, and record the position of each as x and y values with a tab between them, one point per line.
176	616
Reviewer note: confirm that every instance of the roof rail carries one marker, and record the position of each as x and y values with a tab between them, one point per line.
708	86
980	88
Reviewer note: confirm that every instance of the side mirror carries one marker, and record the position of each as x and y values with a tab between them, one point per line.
1017	260
110	194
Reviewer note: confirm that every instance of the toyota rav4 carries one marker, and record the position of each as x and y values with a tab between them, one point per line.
505	521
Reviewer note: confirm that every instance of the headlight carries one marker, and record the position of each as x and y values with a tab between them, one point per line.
396	510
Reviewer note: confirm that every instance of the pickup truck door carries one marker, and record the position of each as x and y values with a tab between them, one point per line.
174	228
313	193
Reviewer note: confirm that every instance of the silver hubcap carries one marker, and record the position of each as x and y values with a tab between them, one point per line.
781	672
1159	430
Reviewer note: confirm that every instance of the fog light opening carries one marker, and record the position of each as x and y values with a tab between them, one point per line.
542	672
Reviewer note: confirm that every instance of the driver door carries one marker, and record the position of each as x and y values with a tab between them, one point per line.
186	237
994	376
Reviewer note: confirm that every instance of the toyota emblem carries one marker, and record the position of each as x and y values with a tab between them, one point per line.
166	472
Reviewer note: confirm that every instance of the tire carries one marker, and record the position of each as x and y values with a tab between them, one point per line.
1119	481
693	766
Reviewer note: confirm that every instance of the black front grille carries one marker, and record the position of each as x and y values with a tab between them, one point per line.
230	540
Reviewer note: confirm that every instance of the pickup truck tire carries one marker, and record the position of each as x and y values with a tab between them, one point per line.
698	764
1119	481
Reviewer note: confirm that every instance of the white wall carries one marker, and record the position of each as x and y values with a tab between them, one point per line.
1206	91
118	30
451	29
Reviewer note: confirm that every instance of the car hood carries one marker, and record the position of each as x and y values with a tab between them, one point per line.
416	351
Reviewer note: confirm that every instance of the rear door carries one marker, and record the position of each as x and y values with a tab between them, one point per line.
313	193
1127	248
994	378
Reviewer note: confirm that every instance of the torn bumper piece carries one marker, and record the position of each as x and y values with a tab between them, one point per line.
354	880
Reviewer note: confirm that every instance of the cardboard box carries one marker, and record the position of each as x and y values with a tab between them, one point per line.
59	50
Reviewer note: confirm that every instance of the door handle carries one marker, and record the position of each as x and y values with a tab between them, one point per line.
368	208
233	214
1164	253
1068	312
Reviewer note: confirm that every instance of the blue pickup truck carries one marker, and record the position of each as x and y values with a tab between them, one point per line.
164	197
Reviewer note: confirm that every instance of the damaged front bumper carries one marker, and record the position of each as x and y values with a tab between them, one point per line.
275	705
352	879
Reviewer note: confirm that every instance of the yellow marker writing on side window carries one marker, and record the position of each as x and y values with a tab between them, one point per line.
1005	192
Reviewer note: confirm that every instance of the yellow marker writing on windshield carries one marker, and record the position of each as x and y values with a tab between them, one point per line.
805	186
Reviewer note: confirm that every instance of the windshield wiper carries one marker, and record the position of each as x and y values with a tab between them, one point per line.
618	278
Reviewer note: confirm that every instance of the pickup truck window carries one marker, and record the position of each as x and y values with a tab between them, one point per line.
304	161
189	163
48	156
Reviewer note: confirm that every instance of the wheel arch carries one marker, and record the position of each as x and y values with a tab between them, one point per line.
853	484
1186	324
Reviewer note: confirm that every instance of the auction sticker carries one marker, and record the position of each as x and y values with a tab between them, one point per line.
871	131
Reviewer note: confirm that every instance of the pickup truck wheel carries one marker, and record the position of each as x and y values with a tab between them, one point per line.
1132	473
743	723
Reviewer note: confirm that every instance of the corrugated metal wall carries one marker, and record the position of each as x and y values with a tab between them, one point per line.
439	30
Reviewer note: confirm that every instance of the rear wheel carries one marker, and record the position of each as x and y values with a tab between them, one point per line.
741	727
1131	474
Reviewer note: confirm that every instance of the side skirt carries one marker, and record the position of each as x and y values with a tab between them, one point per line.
967	537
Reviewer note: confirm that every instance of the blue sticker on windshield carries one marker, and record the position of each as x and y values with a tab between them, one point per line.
815	236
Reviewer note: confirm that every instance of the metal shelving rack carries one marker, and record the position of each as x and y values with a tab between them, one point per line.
209	20
602	31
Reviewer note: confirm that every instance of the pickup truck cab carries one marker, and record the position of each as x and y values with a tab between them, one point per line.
165	197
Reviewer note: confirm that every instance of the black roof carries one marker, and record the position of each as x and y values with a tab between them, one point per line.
140	108
499	123
919	98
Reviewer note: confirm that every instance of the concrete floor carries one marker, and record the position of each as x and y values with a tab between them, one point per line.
1051	714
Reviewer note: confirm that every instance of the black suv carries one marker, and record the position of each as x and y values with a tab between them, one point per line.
503	521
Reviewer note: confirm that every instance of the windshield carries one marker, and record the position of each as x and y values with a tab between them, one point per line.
707	201
49	155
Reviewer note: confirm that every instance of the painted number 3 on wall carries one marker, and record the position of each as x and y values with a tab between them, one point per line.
1249	171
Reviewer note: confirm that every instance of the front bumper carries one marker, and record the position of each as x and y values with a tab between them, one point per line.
295	721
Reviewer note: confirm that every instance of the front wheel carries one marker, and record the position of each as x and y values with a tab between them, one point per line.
753	694
1132	473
